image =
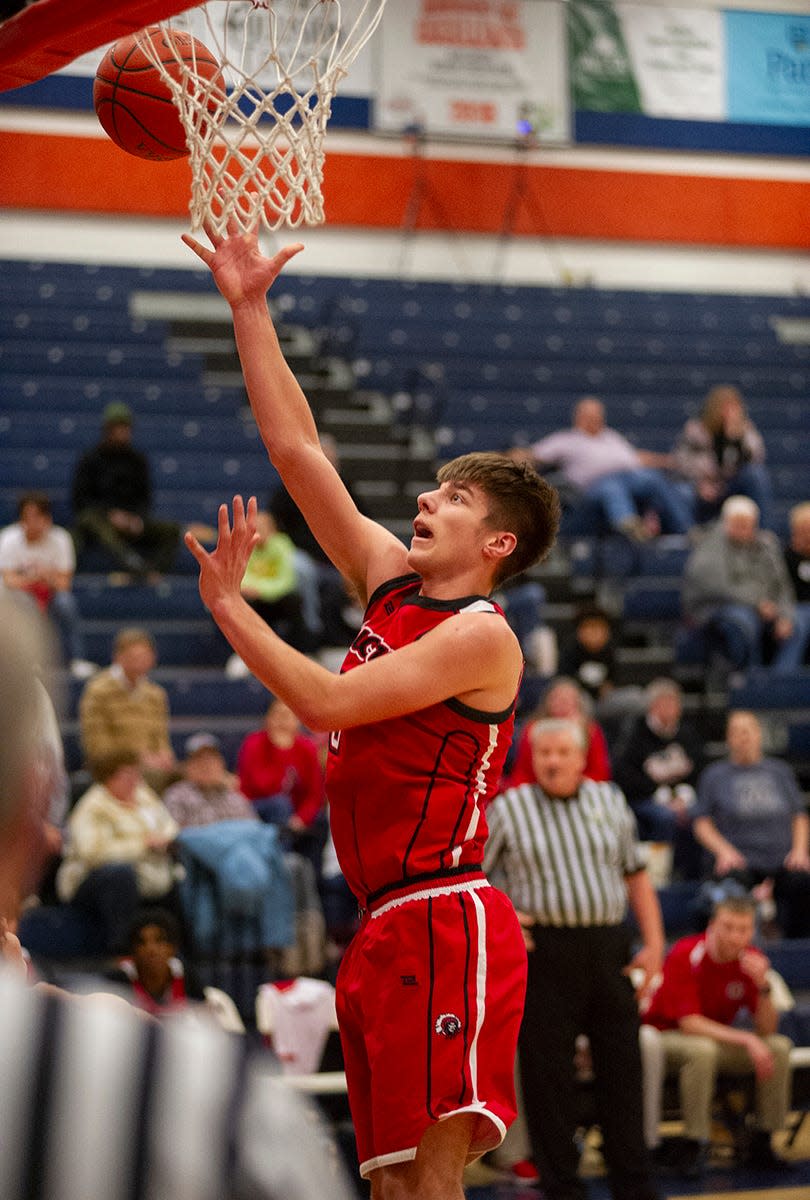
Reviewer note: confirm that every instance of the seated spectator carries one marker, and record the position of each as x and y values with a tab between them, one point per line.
37	562
117	851
722	454
708	980
566	701
737	597
207	792
329	611
797	560
657	767
152	973
590	655
751	816
112	503
270	586
76	1106
610	483
280	772
121	709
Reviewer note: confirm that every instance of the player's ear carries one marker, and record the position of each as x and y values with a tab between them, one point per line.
499	545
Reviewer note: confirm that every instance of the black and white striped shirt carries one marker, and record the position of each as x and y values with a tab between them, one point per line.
564	861
100	1103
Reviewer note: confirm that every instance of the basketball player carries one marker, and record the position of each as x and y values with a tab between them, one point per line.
430	992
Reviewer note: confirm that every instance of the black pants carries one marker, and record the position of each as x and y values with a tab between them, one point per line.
152	550
791	893
576	986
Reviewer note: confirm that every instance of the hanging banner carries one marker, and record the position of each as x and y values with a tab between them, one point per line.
678	60
768	67
488	69
662	60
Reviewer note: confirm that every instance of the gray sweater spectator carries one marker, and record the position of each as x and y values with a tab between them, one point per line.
751	816
737	592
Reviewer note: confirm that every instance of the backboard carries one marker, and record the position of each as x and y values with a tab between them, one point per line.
49	34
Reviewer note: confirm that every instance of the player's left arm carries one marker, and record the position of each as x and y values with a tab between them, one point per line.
474	657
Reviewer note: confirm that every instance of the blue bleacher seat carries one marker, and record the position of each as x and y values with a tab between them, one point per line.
174	597
762	689
651	602
69	357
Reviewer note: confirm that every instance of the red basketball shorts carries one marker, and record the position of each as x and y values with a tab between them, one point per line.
429	1000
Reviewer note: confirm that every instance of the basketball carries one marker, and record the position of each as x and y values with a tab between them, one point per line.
132	100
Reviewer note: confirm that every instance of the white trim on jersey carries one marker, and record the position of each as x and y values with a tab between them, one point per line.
470	885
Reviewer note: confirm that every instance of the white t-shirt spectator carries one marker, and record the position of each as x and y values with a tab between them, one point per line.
54	550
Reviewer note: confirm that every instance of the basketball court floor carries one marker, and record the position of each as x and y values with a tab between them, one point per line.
722	1179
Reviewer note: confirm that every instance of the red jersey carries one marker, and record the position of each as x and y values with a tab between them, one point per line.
407	795
694	984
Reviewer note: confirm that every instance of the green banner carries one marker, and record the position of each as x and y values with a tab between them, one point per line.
601	72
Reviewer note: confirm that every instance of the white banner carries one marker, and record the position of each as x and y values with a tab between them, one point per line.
678	60
473	68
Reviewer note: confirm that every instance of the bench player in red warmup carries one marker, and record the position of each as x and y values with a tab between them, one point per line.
430	991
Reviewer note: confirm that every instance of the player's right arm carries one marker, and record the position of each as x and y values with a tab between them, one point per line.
363	551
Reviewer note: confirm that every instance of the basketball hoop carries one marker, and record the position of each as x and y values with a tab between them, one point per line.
257	145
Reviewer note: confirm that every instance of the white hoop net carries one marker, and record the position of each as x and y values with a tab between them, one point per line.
256	132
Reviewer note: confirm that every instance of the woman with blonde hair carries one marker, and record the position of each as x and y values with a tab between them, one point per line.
722	454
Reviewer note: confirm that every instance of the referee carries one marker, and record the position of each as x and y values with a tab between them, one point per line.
565	851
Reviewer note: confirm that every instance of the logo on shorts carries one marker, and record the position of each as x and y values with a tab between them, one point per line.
448	1025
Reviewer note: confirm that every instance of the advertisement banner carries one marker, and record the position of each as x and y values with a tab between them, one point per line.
768	67
661	60
488	69
678	60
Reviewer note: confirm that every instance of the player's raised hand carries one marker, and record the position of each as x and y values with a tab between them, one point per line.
241	271
222	569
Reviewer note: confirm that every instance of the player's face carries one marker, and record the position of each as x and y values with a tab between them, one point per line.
558	763
729	933
450	527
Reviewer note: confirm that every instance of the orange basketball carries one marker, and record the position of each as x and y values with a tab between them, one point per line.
134	103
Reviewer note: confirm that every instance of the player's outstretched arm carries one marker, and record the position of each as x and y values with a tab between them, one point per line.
363	551
474	657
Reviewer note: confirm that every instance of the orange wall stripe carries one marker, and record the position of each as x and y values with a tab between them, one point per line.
75	174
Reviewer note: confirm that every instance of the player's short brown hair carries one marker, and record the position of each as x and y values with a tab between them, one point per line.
520	501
